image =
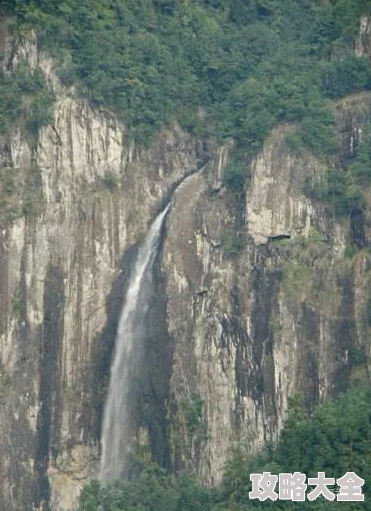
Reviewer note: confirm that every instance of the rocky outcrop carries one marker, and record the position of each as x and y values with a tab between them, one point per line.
276	206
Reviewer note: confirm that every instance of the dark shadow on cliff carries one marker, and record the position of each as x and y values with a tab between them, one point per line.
102	350
150	387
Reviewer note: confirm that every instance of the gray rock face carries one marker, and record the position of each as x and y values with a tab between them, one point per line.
235	332
363	41
275	204
95	196
277	319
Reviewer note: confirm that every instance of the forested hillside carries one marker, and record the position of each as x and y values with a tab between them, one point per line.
227	67
219	67
335	440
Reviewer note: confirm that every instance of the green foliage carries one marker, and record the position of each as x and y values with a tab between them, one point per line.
154	490
341	432
10	194
110	180
20	194
250	65
5	381
232	242
24	97
314	236
350	251
343	186
32	199
17	300
335	439
296	279
234	178
357	356
192	409
345	76
317	129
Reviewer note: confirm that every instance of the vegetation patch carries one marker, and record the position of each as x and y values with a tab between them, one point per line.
110	180
192	411
249	65
296	280
303	249
5	381
10	194
232	242
190	423
357	355
343	186
335	439
20	194
17	300
235	177
24	99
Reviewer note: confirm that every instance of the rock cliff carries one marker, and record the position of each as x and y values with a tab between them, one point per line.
235	332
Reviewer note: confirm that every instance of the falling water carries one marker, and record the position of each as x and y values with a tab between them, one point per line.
117	422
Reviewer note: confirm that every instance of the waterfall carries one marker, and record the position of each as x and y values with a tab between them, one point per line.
117	429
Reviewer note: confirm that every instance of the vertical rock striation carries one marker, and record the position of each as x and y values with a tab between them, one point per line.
61	256
286	314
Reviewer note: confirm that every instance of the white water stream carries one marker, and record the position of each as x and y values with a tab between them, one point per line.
117	431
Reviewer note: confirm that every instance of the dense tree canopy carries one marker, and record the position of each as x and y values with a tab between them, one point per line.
249	63
335	440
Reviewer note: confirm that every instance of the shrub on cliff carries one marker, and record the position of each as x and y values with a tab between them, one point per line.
24	98
153	491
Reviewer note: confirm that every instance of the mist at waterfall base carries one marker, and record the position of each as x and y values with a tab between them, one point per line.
118	420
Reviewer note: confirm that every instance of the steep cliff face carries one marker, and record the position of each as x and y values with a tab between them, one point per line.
235	333
286	315
90	194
